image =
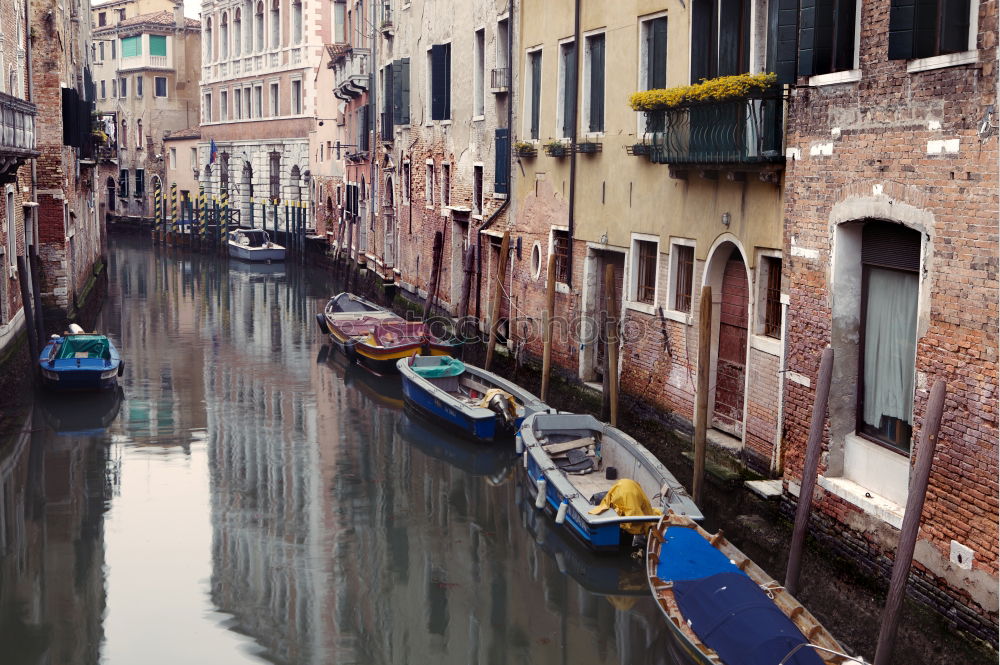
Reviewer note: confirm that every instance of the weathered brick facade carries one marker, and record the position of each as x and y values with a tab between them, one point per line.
912	143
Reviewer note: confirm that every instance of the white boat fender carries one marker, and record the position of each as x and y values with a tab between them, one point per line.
540	499
524	458
561	515
518	443
75	329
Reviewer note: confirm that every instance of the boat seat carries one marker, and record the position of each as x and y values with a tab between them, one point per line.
557	448
469	382
576	462
449	384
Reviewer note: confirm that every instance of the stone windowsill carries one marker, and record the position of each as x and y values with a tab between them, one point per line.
942	61
678	316
646	308
768	345
870	503
835	78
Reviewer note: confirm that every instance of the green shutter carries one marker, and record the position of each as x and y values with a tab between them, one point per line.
657	53
925	29
131	46
536	92
702	40
397	91
569	89
502	169
843	46
158	45
447	81
734	37
439	84
823	37
902	14
954	26
597	84
787	20
404	76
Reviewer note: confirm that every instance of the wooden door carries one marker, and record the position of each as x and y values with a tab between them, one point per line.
731	366
604	259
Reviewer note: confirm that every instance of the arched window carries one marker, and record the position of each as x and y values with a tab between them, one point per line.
208	40
237	32
296	21
224	36
138	134
258	27
123	139
275	24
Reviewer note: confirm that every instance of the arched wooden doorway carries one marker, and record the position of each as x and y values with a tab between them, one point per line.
730	369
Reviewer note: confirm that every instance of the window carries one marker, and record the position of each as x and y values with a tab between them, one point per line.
593	82
237	104
653	64
193	156
158	45
104	91
102	19
121	14
138	134
123	177
772	296
140	183
719	47
477	190
503	39
296	21
479	75
114	49
644	265
339	23
173	158
131	46
827	41
123	88
138	86
275	24
446	184
207	111
274	175
224	106
237	32
296	97
534	92
429	186
100	47
114	88
926	28
258	26
566	112
207	40
560	249
258	101
224	36
123	139
683	277
439	61
274	99
160	86
890	261
247	113
401	92
406	182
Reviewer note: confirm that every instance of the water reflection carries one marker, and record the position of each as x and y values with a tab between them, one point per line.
256	500
80	414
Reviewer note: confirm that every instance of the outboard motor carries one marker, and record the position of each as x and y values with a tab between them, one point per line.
500	404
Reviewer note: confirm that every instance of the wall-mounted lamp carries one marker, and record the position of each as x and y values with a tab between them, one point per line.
726	219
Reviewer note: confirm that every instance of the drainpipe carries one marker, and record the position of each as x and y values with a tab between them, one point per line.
36	218
570	224
510	157
373	128
777	453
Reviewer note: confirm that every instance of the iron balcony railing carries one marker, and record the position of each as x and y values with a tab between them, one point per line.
17	127
744	131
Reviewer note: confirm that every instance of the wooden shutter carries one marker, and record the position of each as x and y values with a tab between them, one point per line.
734	38
536	92
438	87
786	29
702	42
397	92
845	15
902	15
596	120
954	26
569	89
890	246
447	82
657	66
823	37
925	29
404	86
502	167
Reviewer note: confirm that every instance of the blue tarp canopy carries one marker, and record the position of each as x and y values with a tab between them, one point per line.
685	555
732	615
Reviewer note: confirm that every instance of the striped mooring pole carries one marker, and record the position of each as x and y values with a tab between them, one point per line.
201	212
173	209
158	213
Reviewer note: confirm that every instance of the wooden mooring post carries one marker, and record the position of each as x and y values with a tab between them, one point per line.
701	408
813	450
463	301
435	275
911	524
547	316
611	347
501	276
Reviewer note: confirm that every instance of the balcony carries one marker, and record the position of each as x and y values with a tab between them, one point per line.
500	80
17	135
744	134
144	61
350	75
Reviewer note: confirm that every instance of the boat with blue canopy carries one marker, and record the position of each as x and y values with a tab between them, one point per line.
724	609
77	360
464	398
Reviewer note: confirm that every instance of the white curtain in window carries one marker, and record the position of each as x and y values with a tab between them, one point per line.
890	345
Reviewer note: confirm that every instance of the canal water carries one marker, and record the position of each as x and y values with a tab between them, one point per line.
246	498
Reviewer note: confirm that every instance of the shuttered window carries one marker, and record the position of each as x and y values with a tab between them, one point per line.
925	28
401	92
645	287
567	67
656	53
140	183
501	184
784	23
131	46
123	183
719	47
535	94
826	36
595	83
158	45
441	82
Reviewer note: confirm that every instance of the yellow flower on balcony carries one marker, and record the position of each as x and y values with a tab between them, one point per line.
718	89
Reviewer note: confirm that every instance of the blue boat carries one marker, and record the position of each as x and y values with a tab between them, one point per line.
80	361
599	482
724	609
463	398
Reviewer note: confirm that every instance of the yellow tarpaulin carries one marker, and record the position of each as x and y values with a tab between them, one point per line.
628	500
493	392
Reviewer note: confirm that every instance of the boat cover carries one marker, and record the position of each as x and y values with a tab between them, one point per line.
444	367
732	615
85	346
628	500
685	555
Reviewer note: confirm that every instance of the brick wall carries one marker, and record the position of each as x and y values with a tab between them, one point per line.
905	147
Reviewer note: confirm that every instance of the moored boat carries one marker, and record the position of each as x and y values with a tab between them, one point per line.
77	360
724	609
392	340
348	318
598	481
254	245
463	398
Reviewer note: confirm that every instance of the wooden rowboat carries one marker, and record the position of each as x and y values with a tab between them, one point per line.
723	609
348	318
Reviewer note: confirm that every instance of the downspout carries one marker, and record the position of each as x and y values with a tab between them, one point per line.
510	155
777	452
570	223
373	126
36	218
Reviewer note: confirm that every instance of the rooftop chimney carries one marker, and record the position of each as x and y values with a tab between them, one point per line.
179	14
